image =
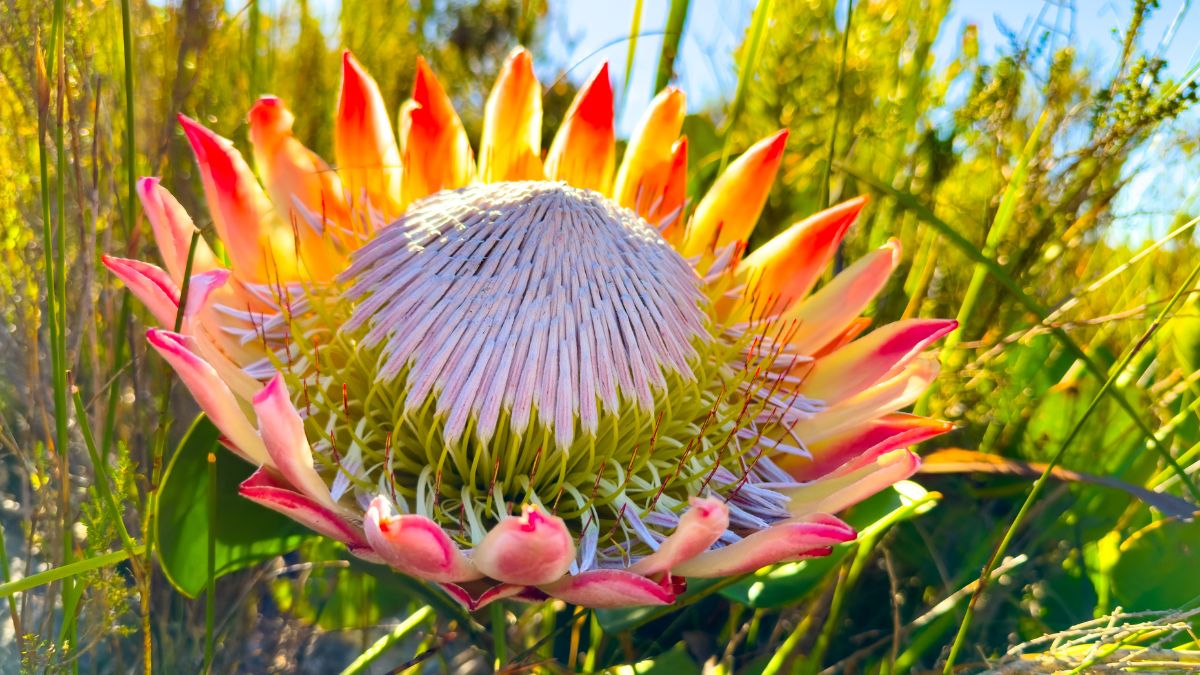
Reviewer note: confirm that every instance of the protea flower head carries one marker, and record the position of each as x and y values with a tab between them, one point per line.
519	375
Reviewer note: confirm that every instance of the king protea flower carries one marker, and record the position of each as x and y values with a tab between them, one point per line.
526	375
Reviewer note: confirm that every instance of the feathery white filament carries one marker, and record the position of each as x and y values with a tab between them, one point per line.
532	297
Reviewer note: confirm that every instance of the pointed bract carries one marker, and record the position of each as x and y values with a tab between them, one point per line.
415	545
297	178
894	393
262	488
864	443
173	230
824	316
845	489
532	549
149	284
779	543
511	146
584	150
368	158
210	392
260	249
434	145
646	167
872	358
698	529
786	267
282	432
610	588
730	210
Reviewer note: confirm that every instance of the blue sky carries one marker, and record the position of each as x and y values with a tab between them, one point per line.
1162	181
584	32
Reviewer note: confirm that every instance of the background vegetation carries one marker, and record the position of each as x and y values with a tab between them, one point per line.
1076	364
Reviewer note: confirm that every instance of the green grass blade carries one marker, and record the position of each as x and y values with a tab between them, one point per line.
910	202
13	614
634	28
1119	269
498	636
1040	483
996	233
210	587
101	480
672	36
827	171
255	30
62	572
751	54
185	287
129	149
119	356
56	261
380	646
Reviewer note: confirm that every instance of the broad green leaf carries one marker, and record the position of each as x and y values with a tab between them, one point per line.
246	533
1156	567
673	662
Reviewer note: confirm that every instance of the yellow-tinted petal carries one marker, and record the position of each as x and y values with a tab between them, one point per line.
890	395
729	211
651	151
584	150
299	181
862	444
512	127
665	207
363	142
433	143
784	269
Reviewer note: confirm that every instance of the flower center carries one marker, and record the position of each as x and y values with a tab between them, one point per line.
536	297
523	342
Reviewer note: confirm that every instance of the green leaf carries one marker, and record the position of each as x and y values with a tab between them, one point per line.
751	54
673	662
246	533
1156	567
